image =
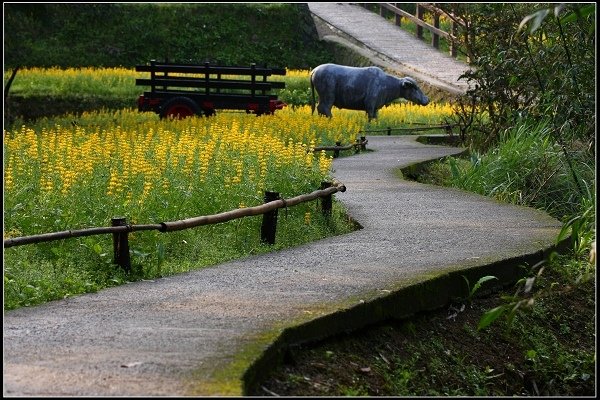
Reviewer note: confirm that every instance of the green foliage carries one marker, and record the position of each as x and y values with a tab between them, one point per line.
542	74
126	34
581	228
296	92
473	290
512	304
526	168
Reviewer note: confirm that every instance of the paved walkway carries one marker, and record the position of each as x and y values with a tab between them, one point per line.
388	45
206	332
211	331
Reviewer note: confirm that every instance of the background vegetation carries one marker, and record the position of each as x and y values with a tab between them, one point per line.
70	35
542	68
529	123
127	34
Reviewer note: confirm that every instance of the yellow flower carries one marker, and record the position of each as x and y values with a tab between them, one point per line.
307	218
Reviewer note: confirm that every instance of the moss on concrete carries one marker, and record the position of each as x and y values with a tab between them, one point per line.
427	292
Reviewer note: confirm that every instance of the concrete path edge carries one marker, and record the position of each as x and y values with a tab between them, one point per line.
431	292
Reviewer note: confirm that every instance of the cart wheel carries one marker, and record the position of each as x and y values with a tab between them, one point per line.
179	107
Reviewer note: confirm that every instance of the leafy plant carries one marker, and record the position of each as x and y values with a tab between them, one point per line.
581	227
473	290
535	73
513	304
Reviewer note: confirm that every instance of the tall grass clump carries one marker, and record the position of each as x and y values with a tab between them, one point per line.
528	168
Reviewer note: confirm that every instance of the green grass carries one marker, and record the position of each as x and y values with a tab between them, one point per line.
35	274
527	168
127	34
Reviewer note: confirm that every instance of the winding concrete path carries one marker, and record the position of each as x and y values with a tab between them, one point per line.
215	330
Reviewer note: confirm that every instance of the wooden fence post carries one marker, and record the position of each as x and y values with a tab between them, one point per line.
326	201
269	222
121	245
420	15
363	142
253	79
398	19
435	38
206	77
336	152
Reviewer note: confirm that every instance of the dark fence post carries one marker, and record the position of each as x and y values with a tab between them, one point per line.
357	146
363	142
420	15
121	245
269	222
389	131
435	38
206	77
10	81
253	68
326	200
398	17
336	152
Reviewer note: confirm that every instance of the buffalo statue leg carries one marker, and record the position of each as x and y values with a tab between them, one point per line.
324	108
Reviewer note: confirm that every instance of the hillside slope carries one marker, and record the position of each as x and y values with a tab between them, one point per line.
126	34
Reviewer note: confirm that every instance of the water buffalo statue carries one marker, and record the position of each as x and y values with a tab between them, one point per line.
360	88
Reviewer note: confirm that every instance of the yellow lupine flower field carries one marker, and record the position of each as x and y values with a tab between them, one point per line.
129	157
79	171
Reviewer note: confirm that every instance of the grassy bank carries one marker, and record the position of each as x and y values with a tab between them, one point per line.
548	350
127	34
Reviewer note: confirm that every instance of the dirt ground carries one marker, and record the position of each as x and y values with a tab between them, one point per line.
442	353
